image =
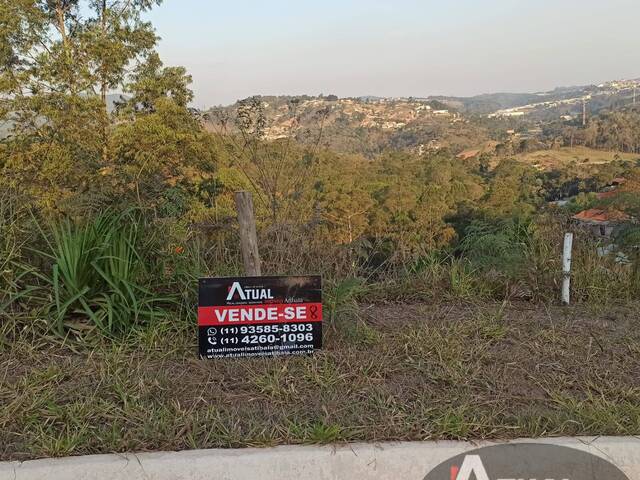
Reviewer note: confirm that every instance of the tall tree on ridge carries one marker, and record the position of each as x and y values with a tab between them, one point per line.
58	61
53	50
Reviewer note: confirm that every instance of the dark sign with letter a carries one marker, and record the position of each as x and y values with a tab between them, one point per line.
259	316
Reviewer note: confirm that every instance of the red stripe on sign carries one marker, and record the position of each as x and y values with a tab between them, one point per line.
250	314
454	472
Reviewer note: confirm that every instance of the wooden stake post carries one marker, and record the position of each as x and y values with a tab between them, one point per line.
248	237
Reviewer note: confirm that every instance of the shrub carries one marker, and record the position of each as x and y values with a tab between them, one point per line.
502	246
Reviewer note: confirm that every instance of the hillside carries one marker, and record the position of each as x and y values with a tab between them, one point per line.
568	103
547	105
369	125
364	125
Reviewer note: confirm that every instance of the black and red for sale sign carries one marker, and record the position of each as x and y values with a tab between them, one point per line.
259	316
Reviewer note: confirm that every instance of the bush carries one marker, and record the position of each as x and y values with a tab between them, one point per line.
502	246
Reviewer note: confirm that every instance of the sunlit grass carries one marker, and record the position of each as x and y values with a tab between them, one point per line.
433	371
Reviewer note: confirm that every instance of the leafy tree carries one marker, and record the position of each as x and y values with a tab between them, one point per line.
280	171
59	59
160	154
54	160
69	47
150	82
514	190
414	196
343	196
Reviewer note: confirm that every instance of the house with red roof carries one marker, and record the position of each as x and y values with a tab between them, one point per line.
600	222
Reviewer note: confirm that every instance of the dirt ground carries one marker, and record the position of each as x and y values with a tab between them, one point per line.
387	372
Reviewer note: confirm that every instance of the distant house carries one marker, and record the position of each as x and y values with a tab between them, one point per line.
611	190
517	113
431	146
600	223
441	112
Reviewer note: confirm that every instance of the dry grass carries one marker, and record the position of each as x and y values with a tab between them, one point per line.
561	157
389	372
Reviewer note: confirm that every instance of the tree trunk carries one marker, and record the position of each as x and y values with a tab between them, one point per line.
103	91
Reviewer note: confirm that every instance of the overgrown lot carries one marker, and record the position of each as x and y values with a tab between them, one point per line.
388	372
441	273
98	338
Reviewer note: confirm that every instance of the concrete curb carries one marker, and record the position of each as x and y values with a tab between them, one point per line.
393	461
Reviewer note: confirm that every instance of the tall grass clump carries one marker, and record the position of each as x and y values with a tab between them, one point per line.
464	280
422	280
98	276
14	271
594	279
629	240
499	253
502	246
340	298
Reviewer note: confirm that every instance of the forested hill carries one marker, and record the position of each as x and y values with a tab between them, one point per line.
364	125
369	124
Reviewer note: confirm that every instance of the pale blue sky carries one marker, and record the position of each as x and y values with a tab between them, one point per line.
235	49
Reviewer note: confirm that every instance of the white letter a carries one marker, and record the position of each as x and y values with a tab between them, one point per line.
472	463
235	287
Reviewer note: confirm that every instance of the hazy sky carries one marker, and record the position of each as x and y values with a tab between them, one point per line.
238	48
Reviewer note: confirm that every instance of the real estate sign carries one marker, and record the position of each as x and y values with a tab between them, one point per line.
259	316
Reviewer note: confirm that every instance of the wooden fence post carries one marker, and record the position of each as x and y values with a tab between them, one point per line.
248	237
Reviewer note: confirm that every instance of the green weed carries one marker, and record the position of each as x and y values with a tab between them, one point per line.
98	274
340	298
